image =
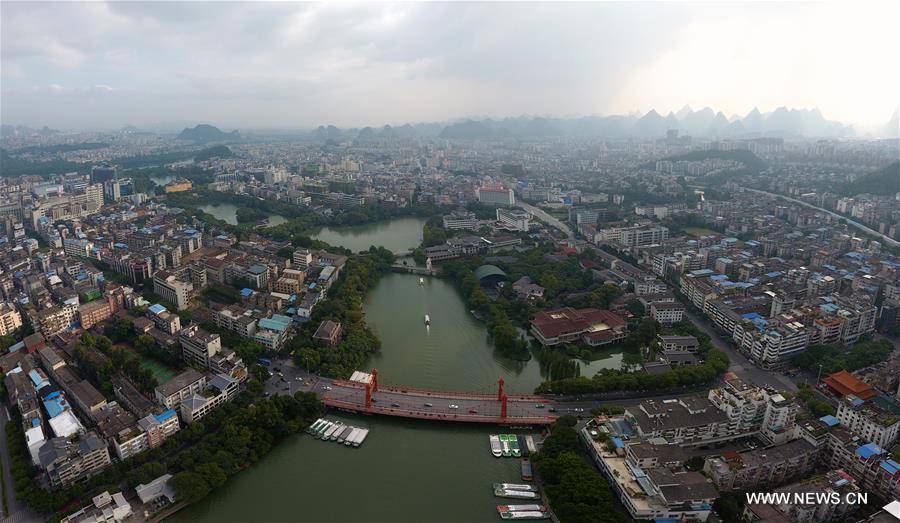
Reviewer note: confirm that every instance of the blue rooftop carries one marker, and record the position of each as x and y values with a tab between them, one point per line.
55	407
829	420
38	381
618	442
157	308
760	324
281	319
278	322
165	415
246	292
891	466
868	450
750	315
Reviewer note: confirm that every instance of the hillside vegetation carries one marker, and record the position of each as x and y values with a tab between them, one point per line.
885	181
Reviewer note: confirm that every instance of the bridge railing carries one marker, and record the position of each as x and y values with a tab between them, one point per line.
443	393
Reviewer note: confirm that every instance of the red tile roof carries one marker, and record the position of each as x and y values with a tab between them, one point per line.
845	384
568	320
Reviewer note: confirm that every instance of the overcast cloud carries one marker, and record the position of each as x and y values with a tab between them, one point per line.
290	65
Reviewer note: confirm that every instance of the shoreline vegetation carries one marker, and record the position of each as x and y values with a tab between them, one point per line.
576	489
344	304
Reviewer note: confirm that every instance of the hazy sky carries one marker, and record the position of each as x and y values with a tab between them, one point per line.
77	65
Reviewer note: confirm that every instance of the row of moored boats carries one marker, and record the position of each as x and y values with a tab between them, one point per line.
327	430
510	445
519	491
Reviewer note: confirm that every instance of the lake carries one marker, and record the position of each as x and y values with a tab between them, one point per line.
398	234
228	213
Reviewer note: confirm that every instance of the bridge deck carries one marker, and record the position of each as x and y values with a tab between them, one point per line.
466	406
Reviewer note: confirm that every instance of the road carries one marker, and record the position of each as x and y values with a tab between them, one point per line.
544	217
18	512
887	239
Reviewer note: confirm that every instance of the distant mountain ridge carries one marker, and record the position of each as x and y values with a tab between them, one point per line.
704	123
205	133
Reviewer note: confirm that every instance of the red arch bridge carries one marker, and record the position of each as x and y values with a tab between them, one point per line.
406	402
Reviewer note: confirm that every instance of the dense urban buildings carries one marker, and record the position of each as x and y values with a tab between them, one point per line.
672	253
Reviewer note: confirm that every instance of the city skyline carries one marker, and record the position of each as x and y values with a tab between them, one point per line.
297	66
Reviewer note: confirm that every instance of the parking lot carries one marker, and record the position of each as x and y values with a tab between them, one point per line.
288	379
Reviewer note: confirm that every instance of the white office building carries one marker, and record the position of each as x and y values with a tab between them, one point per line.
513	219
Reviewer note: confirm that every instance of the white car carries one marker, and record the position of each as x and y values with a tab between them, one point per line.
326	387
454	406
298	378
